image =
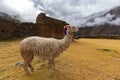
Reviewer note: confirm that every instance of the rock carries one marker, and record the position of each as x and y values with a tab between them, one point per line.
18	63
49	27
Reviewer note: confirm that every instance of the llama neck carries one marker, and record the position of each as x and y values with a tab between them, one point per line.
65	42
68	38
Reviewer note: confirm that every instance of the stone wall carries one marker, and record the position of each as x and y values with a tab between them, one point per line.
44	26
49	27
7	29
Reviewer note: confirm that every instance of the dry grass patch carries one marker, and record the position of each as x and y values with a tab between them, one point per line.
86	59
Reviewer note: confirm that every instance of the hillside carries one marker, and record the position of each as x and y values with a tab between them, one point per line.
9	17
105	24
85	59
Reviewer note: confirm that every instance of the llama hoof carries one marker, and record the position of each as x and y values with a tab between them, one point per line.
52	70
29	73
32	71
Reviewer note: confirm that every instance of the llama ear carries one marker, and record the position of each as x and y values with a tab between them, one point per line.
65	26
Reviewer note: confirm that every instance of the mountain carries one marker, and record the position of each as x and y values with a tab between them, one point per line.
111	16
9	17
11	27
105	24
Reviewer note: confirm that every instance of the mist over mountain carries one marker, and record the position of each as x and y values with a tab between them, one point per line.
9	17
105	24
111	16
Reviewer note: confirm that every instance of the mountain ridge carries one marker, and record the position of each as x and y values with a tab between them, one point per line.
105	24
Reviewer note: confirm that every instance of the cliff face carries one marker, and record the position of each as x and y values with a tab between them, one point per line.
49	27
44	26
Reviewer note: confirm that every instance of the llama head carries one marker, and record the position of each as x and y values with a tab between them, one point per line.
71	28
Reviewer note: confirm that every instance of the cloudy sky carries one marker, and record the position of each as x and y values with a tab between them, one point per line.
67	10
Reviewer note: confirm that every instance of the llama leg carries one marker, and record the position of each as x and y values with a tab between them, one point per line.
32	69
51	63
27	64
54	64
28	67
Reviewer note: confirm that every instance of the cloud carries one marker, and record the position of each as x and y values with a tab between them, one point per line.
23	8
116	21
67	10
108	18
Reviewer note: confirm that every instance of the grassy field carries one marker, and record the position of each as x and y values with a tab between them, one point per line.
85	59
